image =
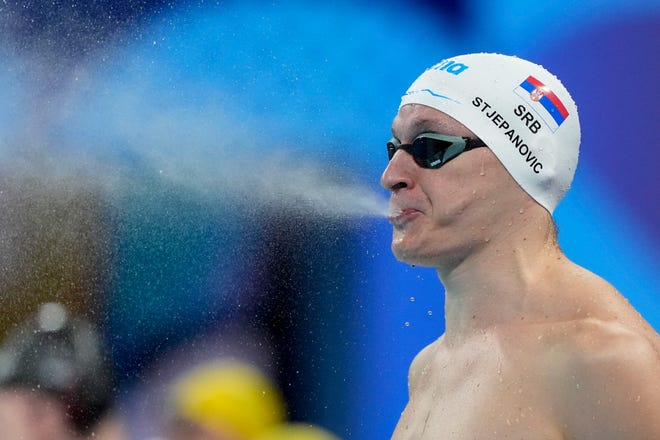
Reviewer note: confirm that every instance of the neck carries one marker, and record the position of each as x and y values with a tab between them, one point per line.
501	281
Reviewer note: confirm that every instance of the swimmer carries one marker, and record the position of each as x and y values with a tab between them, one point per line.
57	381
223	400
484	147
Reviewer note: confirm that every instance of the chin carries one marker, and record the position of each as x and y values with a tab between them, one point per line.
406	249
411	256
426	255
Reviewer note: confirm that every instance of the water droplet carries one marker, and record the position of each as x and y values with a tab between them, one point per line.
412	299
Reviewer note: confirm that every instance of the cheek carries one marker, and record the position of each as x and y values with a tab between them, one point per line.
450	202
466	186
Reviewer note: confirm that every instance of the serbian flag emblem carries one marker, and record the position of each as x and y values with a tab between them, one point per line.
544	102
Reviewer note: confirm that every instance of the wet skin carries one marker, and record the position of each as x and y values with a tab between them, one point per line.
535	347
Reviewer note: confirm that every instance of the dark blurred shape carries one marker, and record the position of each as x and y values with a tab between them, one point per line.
454	9
53	40
69	28
64	357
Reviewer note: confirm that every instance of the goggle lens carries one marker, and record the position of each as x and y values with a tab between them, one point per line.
433	150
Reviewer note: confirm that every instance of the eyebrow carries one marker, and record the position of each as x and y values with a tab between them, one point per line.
419	126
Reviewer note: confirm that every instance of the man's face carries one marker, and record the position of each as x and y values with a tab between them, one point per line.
440	215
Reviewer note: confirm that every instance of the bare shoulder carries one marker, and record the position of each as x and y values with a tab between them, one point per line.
611	371
421	363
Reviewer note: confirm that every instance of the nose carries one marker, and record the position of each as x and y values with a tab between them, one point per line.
399	172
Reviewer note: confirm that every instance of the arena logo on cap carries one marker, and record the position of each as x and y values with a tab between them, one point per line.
543	101
450	66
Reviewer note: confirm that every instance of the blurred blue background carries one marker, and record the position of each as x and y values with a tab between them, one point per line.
210	132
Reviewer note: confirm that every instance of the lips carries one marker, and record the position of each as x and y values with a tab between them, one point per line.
399	217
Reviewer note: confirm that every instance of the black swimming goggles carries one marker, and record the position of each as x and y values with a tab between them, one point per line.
433	150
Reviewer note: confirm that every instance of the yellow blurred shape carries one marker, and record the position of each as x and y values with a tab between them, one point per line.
229	395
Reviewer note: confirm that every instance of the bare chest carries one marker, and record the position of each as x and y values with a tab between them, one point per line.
477	396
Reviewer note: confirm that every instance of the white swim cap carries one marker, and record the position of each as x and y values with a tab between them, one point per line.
520	110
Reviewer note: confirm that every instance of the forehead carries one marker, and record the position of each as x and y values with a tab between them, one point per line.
414	119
